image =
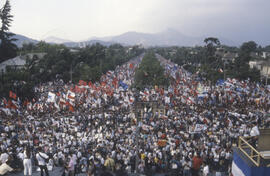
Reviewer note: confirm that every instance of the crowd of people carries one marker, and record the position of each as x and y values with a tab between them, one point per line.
94	128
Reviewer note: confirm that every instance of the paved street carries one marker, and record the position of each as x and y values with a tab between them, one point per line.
55	172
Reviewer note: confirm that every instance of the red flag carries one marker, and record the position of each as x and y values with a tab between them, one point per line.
162	143
131	66
11	105
77	89
82	83
94	87
12	95
90	84
62	101
115	82
25	103
71	109
103	84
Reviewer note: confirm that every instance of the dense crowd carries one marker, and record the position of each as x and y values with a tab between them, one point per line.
94	128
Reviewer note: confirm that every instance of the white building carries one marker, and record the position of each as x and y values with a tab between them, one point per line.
14	63
19	62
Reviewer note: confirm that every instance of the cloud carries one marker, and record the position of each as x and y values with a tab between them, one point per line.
82	19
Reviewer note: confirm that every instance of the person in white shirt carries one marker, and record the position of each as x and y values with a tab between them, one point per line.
255	130
254	133
4	157
41	157
4	168
27	161
205	170
74	158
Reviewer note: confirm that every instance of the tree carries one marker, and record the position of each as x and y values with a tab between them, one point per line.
267	48
245	52
249	47
150	72
7	47
211	44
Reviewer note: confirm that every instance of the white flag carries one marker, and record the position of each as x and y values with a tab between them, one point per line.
51	97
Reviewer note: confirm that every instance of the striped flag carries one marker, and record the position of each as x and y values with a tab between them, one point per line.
12	95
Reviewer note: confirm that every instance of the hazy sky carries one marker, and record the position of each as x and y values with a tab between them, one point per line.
76	20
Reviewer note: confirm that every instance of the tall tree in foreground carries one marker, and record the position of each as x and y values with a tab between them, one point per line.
7	47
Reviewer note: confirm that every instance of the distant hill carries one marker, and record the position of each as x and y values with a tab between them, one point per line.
169	37
56	40
83	44
23	39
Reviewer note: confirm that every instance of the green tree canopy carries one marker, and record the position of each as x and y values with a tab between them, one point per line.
150	72
248	47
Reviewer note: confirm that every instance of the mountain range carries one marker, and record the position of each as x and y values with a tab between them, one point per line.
168	37
23	39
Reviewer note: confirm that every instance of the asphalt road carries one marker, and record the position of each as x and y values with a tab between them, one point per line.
55	172
58	172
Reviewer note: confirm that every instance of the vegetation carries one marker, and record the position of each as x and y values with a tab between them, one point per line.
86	64
90	63
7	48
205	61
150	72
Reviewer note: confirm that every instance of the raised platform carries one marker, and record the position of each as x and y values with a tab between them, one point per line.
243	166
249	161
265	154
